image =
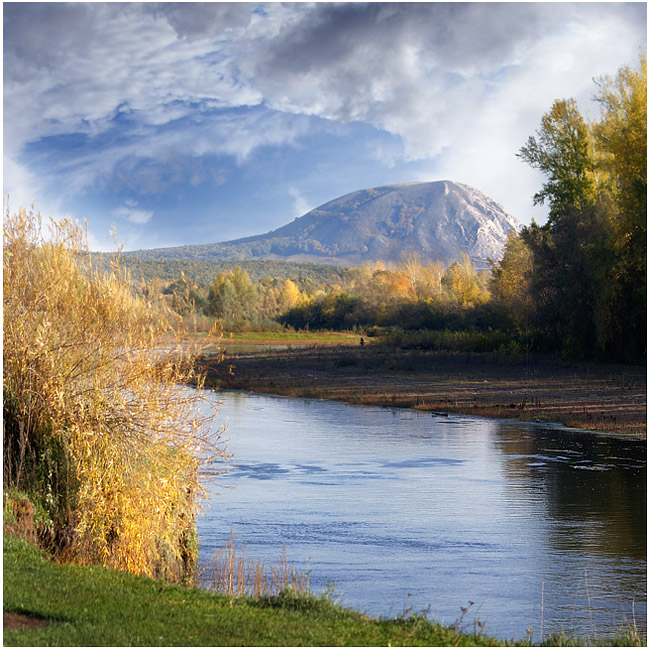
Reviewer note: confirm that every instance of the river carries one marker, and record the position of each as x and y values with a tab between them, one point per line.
402	511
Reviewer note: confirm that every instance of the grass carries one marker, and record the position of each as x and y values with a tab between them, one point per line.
71	605
272	337
86	606
293	337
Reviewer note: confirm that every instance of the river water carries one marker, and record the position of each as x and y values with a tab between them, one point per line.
403	512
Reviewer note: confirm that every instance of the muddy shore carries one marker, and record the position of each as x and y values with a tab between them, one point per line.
597	397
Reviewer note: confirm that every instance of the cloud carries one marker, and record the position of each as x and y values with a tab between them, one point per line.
148	86
463	85
155	157
425	71
202	19
107	60
300	204
132	213
20	184
140	97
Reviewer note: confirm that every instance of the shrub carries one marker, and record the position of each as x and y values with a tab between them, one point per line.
97	422
446	340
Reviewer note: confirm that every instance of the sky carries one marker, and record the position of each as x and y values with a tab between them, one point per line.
188	123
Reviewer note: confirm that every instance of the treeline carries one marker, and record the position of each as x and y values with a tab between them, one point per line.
413	295
580	279
162	272
575	285
410	295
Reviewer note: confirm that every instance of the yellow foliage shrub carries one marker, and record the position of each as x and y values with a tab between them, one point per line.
97	416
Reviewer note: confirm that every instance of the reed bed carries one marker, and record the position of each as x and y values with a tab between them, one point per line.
234	574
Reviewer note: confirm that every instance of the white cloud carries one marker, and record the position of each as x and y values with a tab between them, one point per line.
300	204
132	213
20	184
108	58
160	156
426	72
203	20
463	85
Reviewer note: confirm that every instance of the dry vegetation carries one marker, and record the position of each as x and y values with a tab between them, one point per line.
231	572
97	427
599	397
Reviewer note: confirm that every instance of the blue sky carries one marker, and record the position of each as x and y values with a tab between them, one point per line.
183	123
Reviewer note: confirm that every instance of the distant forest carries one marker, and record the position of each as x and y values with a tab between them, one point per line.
575	285
200	273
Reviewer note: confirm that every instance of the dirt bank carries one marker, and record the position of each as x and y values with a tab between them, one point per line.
598	397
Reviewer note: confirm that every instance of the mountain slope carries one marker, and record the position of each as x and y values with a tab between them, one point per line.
436	221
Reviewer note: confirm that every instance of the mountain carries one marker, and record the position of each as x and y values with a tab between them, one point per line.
436	221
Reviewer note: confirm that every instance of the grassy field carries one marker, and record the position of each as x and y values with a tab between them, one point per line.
46	603
271	338
290	337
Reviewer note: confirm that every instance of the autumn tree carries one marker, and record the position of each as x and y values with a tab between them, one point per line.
184	297
289	294
464	284
232	296
425	280
621	136
588	286
511	281
561	152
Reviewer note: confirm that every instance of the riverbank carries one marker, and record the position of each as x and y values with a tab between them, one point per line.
597	397
48	603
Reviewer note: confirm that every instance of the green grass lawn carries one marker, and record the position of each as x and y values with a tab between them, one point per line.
87	606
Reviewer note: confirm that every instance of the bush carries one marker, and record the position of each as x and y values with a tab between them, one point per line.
97	422
446	340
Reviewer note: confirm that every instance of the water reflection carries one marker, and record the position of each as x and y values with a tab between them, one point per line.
594	495
594	487
405	510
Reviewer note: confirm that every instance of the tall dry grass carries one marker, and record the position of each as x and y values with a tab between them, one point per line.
234	574
96	420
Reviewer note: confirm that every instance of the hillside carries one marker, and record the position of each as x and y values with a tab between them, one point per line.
202	272
436	221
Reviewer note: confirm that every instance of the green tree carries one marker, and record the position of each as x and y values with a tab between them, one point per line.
621	137
565	280
588	283
245	292
232	296
561	152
